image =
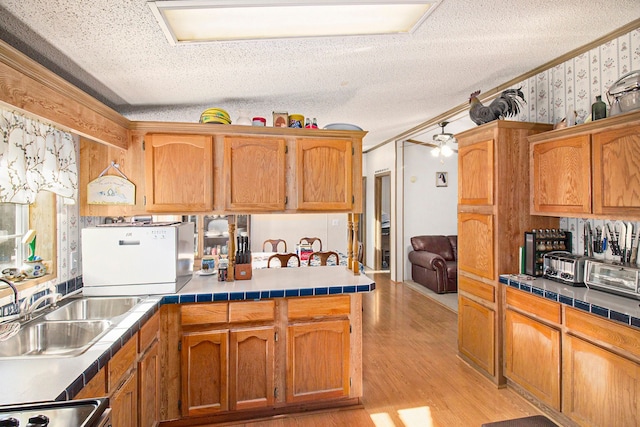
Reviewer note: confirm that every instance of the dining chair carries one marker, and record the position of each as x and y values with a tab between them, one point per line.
274	245
311	241
323	256
284	259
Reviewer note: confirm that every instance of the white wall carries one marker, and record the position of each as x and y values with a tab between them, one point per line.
330	228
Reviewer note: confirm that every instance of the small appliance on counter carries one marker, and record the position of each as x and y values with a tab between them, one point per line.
539	242
564	267
77	413
137	258
619	279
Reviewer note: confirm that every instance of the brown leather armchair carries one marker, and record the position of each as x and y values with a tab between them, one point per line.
434	262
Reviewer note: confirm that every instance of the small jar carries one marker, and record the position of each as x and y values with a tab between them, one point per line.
259	121
33	269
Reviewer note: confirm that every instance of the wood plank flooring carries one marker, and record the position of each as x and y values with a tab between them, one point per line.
412	375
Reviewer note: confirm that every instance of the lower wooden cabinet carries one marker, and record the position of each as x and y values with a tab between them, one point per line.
149	387
251	368
317	360
204	372
124	403
532	357
476	333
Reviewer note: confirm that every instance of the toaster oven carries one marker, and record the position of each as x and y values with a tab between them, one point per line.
565	267
617	279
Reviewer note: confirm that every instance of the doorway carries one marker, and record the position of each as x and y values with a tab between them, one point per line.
382	212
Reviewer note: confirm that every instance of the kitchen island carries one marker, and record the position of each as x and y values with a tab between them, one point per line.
288	339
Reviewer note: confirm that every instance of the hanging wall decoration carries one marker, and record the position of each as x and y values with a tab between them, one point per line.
111	189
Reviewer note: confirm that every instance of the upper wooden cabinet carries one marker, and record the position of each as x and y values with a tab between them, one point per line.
475	169
324	174
254	173
178	173
194	167
562	175
590	170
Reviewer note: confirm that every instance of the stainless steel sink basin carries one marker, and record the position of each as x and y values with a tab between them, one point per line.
94	308
42	338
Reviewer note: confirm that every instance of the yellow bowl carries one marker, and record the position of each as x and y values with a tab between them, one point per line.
296	121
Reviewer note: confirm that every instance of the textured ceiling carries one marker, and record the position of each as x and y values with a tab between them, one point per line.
115	50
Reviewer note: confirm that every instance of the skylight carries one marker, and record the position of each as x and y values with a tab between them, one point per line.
200	21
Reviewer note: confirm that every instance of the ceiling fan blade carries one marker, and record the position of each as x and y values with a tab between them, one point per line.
428	144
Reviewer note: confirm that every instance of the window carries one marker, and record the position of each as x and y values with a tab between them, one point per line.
17	219
14	223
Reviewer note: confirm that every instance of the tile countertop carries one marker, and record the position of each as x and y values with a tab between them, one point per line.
42	379
617	308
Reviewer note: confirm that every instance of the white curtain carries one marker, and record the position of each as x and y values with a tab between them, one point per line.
35	156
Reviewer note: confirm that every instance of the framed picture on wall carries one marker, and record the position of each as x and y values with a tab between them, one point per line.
442	179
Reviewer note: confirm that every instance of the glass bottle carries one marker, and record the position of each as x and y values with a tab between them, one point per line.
598	109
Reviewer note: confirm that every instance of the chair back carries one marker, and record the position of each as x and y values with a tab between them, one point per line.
274	245
311	241
284	259
323	256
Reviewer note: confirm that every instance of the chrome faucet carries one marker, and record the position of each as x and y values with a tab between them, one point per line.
15	291
53	297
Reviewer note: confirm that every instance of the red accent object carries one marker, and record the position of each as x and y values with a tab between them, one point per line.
260	119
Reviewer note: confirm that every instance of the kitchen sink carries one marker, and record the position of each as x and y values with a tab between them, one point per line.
93	308
54	339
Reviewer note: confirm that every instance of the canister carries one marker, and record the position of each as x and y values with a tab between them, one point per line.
259	121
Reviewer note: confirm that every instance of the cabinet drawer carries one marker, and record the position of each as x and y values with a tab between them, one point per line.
122	362
544	309
331	306
477	289
97	386
251	311
149	332
606	331
200	314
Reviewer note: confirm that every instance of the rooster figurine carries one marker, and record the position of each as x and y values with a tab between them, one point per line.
507	104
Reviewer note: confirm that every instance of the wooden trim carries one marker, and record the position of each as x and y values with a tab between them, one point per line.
487	95
32	88
533	305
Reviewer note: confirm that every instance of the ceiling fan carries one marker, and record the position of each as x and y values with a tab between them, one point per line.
442	142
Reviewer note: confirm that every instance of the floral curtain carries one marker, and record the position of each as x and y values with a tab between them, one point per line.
35	156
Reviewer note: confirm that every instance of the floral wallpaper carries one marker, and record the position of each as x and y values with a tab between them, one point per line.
576	82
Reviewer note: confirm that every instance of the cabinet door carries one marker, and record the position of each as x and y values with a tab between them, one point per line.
476	333
324	174
251	368
599	388
149	388
254	174
532	357
178	173
476	174
616	172
561	176
475	244
204	372
317	360
124	403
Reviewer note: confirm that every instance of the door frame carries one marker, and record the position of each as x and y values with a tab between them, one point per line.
377	212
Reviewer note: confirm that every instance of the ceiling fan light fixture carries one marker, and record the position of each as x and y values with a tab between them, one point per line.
446	151
435	152
201	21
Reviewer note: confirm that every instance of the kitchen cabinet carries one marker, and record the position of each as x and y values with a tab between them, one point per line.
254	173
590	170
493	214
122	384
178	173
237	359
324	174
601	371
149	373
227	356
532	345
318	348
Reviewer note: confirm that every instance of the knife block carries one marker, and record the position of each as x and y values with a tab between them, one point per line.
243	271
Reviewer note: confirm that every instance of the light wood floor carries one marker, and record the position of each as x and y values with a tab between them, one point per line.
412	376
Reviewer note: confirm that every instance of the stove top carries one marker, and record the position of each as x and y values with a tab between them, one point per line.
75	413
